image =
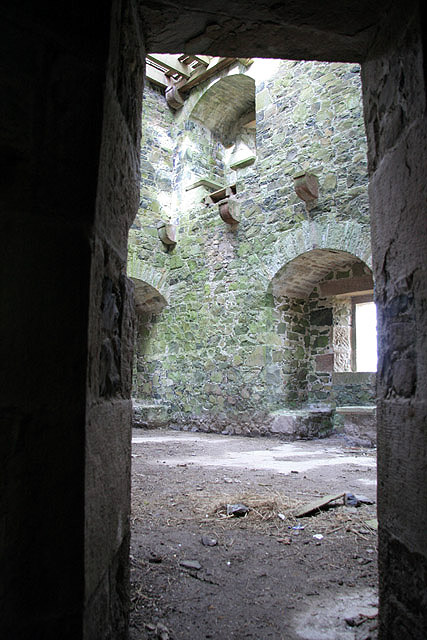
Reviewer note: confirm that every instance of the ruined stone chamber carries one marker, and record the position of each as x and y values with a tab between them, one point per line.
72	89
261	175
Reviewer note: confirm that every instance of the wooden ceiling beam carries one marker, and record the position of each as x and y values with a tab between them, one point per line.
200	75
156	76
171	63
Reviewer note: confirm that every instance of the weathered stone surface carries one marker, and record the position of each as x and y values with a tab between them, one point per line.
337	35
397	135
325	362
321	317
353	387
359	423
225	347
347	285
58	93
149	416
302	424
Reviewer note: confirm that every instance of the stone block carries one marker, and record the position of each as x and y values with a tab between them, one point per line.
149	415
302	424
358	423
321	317
320	342
306	186
325	362
167	232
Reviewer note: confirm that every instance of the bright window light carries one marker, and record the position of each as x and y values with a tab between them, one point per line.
366	336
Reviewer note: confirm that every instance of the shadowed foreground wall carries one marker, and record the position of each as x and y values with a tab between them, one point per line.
395	112
69	169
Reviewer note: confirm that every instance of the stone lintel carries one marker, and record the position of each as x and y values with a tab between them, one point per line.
354	377
361	284
361	410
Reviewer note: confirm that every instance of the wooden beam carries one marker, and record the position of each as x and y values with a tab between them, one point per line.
203	59
156	76
171	63
216	64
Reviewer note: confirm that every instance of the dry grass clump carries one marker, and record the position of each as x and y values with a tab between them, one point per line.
263	512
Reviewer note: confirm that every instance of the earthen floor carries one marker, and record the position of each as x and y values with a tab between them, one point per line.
264	578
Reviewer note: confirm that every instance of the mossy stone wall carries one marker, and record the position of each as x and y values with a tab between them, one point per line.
225	353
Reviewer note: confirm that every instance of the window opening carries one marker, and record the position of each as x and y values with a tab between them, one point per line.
365	320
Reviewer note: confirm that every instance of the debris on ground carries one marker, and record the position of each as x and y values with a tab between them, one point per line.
350	500
209	541
316	505
237	510
364	499
372	524
173	519
162	632
365	626
155	559
356	621
191	564
367	631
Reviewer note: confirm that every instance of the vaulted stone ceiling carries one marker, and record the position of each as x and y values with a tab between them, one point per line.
224	103
298	278
147	298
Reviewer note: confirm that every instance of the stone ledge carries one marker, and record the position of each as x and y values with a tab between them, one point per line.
149	415
358	423
359	410
354	377
304	424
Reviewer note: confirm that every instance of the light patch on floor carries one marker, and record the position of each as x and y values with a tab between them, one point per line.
324	617
283	458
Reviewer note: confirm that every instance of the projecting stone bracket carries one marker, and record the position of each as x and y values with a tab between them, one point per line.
306	187
228	205
167	233
221	194
173	97
229	210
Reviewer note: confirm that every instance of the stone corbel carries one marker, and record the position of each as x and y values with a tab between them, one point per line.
306	187
167	233
229	210
173	97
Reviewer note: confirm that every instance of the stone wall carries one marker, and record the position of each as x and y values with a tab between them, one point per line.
395	108
110	339
226	350
317	343
69	145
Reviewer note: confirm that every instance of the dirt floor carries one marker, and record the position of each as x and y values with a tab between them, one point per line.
262	577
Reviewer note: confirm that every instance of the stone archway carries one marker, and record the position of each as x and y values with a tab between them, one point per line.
224	104
314	236
314	294
149	303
